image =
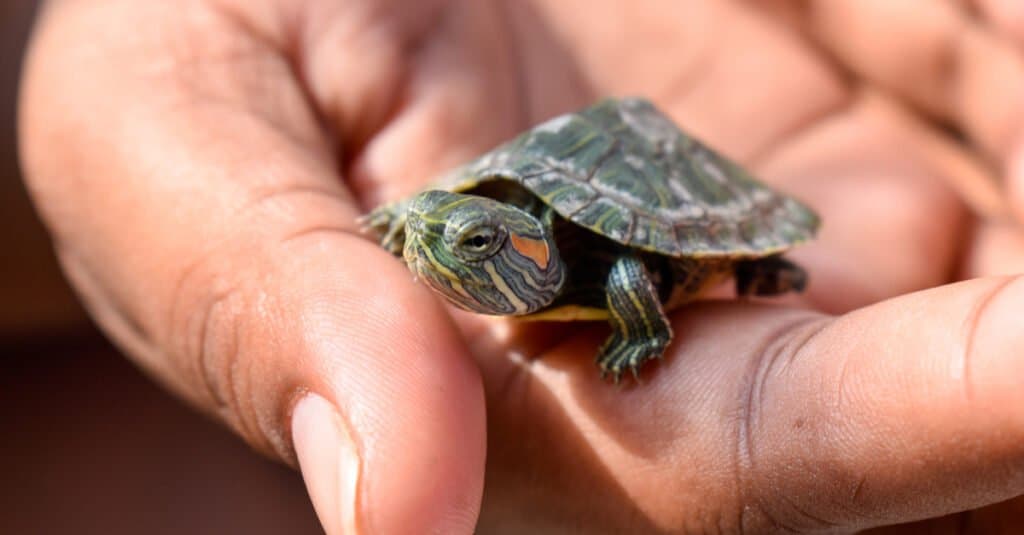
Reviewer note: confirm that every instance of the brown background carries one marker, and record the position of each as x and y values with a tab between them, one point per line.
91	446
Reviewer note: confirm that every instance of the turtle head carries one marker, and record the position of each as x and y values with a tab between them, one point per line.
483	255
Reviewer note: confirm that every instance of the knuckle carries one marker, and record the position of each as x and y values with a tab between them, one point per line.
202	329
232	327
228	328
217	336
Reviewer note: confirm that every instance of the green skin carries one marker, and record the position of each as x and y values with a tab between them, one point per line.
459	245
497	258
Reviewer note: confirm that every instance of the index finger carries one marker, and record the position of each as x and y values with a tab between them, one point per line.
903	410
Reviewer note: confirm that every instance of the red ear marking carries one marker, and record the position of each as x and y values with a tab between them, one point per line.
536	250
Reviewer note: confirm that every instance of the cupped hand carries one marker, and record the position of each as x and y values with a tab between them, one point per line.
201	165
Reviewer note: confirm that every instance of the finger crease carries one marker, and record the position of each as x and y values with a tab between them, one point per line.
801	129
971	333
782	347
782	342
819	522
314	230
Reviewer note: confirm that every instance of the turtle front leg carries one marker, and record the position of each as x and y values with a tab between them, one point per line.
640	329
388	223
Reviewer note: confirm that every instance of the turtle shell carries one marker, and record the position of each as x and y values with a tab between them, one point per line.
622	169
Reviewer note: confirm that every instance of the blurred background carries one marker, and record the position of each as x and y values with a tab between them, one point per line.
92	446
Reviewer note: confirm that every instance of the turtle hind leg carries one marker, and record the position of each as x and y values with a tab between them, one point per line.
640	329
771	275
387	222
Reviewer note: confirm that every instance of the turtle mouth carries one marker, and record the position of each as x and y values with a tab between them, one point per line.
417	270
413	260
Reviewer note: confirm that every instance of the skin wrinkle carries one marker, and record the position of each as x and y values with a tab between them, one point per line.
783	347
776	351
304	233
276	194
800	130
205	347
842	382
144	345
263	432
273	430
855	495
228	391
242	389
970	330
226	406
858	487
227	397
215	366
279	38
816	522
758	516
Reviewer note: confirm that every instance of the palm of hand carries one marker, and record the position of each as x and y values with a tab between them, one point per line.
736	410
761	417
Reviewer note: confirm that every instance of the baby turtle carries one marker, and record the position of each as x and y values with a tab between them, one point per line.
609	213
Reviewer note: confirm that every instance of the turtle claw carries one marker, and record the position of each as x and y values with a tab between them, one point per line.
377	220
364	222
606	373
617	355
388	224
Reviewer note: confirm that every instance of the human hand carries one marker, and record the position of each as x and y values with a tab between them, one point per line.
202	177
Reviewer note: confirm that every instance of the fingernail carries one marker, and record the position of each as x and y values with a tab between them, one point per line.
329	462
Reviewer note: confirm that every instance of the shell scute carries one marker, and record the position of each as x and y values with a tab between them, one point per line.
607	217
553	188
623	169
655	234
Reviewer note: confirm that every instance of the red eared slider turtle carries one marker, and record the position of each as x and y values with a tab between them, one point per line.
608	213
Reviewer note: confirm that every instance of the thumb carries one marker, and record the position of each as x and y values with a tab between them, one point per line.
196	209
389	428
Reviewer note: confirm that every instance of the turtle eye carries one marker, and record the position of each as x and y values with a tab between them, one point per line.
479	242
